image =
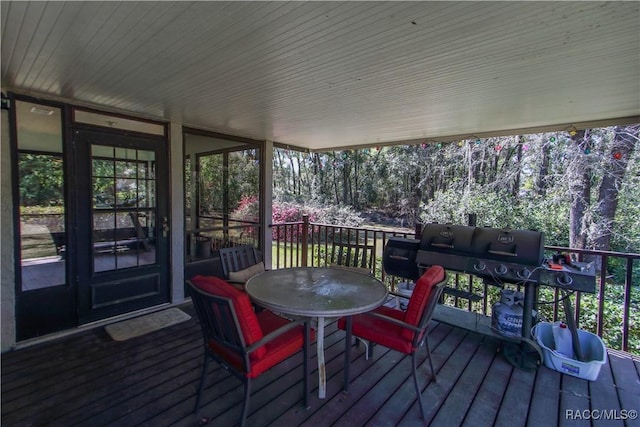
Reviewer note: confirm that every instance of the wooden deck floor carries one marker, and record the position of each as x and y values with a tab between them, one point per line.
89	380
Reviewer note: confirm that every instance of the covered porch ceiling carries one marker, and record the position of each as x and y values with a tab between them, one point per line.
325	75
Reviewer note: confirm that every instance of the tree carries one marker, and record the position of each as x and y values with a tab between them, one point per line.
41	179
540	186
615	166
567	184
579	178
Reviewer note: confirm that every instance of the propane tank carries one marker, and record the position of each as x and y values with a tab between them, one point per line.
506	314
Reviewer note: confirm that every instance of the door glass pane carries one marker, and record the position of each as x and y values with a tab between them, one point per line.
146	220
127	192
41	189
149	199
104	224
124	208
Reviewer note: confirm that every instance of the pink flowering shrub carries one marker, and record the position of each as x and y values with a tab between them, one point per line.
283	212
288	212
248	210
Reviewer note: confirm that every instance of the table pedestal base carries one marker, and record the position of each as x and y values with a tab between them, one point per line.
322	372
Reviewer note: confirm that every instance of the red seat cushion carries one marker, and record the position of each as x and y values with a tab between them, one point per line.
391	335
275	351
249	324
385	333
420	296
279	348
254	327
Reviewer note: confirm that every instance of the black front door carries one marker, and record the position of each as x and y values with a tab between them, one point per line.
122	234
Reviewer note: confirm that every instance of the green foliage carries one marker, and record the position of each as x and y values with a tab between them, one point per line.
521	182
516	181
504	211
243	173
338	215
613	304
41	210
626	238
41	180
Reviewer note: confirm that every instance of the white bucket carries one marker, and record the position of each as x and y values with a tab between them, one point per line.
405	288
594	353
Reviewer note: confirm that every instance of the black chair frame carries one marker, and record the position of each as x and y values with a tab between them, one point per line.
238	258
420	337
219	323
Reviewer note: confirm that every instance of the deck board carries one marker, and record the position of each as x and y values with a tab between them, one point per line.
545	399
516	401
627	384
436	392
398	391
486	404
152	380
466	388
337	402
574	396
386	382
602	399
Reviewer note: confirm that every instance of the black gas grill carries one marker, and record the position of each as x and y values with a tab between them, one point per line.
497	255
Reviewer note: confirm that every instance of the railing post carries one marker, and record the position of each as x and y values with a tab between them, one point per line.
417	230
602	279
305	240
627	303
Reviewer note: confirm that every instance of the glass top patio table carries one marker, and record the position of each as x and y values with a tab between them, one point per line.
317	292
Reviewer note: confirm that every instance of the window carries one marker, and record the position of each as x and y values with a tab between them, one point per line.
222	179
42	200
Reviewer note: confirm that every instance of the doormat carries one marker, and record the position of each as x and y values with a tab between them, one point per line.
131	328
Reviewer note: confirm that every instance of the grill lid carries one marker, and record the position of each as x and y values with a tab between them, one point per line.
515	246
524	247
448	238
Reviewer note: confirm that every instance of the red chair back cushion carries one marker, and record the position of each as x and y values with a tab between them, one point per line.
251	330
420	296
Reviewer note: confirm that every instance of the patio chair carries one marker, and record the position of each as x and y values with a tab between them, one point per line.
352	256
240	263
243	342
404	331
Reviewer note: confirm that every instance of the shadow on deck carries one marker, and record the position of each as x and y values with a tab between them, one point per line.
88	379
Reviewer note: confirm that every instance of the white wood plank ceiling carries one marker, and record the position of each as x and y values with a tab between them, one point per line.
332	74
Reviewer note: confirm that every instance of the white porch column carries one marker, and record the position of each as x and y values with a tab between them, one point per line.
176	183
8	296
267	196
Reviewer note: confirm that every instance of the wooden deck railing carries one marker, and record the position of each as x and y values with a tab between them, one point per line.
215	232
612	313
304	243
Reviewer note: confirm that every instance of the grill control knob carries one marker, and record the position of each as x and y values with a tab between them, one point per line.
564	279
479	266
502	269
524	273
